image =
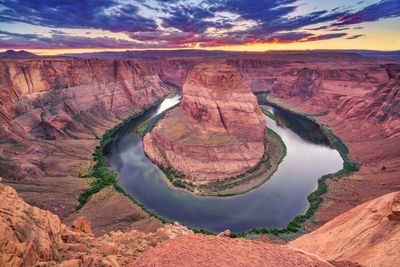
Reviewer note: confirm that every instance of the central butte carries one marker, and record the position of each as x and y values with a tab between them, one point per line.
217	132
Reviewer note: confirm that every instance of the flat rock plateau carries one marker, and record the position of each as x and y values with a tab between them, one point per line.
53	111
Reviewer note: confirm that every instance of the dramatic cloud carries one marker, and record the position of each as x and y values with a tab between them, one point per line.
178	23
374	12
99	14
58	41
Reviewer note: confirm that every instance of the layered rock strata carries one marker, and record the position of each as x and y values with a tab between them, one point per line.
53	112
216	132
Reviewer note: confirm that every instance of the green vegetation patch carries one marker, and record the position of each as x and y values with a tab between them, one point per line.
105	177
269	114
282	144
296	227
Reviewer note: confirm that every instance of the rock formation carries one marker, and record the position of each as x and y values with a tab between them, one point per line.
216	132
201	250
52	113
369	234
46	98
30	236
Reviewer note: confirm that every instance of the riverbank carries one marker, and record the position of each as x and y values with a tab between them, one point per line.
300	223
275	151
289	231
104	177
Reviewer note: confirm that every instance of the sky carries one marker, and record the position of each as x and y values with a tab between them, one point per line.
63	26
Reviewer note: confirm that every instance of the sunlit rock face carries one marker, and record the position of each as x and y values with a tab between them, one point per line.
216	132
367	234
217	96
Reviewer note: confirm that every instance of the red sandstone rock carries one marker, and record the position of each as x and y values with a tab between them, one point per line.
52	112
30	236
82	225
369	234
218	130
201	250
217	96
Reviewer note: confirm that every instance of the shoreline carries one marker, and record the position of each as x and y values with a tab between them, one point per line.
238	190
297	226
274	146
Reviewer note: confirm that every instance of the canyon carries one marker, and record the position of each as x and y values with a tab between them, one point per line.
333	88
53	111
218	130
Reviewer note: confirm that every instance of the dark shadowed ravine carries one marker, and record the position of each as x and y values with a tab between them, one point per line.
273	204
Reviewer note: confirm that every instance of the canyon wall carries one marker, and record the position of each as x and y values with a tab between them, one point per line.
41	97
53	112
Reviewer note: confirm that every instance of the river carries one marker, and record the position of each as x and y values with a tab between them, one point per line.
273	204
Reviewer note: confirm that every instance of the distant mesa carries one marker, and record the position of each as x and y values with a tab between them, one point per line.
218	130
17	54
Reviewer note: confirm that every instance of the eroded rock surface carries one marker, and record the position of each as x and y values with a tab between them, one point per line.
53	112
369	234
30	236
201	250
216	132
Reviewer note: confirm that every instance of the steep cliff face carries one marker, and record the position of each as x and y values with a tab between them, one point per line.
385	106
217	95
218	130
174	70
368	234
52	113
41	97
290	77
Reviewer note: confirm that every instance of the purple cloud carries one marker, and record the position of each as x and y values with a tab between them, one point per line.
383	9
355	36
99	14
177	24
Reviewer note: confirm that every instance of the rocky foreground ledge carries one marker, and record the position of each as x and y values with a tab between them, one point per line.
218	131
29	236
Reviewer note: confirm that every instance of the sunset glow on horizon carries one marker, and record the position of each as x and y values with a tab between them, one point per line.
48	27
